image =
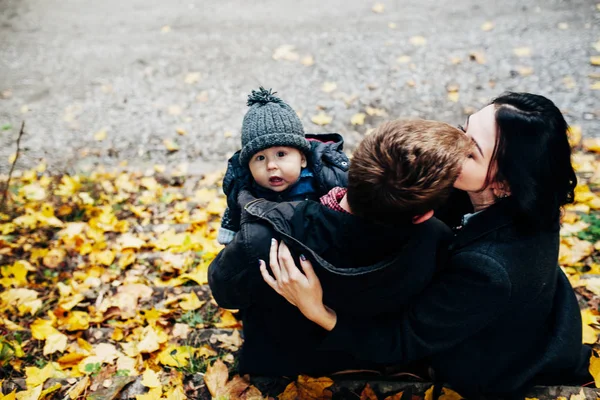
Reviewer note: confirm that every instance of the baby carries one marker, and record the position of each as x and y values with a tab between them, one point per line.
278	162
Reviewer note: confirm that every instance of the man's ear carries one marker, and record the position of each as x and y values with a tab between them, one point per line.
418	219
303	163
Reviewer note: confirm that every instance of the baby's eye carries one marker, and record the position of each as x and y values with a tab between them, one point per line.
260	158
281	154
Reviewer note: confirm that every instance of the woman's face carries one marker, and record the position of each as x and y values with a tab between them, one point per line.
481	128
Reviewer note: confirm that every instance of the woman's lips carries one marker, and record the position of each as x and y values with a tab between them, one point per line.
276	181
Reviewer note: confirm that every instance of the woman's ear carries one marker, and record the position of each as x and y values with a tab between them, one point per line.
303	163
500	189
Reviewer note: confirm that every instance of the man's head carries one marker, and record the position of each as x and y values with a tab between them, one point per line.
405	169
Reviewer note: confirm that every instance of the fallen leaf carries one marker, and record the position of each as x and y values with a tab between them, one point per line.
574	134
487	26
151	379
595	369
449	394
286	52
378	8
100	135
477	56
358	119
392	25
522	51
418	41
321	119
307	61
306	387
368	393
403	59
171	145
595	60
525	71
216	377
329	87
563	26
192	77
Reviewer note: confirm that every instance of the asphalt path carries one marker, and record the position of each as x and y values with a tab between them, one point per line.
137	73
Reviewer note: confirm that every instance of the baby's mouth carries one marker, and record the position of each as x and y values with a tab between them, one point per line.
275	180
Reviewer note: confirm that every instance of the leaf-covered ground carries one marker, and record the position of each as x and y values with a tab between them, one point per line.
104	292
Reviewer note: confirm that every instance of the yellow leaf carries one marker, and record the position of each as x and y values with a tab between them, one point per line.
55	342
77	389
522	51
308	388
403	59
589	334
190	302
127	258
153	394
51	389
78	321
378	8
358	119
100	135
595	369
453	96
592	144
429	394
595	85
574	134
9	396
392	25
487	26
54	258
151	379
151	341
36	376
329	87
227	320
378	112
580	396
418	41
171	145
70	360
24	299
595	60
31	394
321	119
563	26
42	328
175	356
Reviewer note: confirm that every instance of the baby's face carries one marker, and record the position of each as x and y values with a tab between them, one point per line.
277	168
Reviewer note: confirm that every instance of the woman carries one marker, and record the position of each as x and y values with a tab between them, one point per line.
501	315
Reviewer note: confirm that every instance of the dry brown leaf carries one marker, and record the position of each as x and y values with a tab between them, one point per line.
216	377
307	388
368	393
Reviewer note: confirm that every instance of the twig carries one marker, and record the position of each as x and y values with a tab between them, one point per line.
12	168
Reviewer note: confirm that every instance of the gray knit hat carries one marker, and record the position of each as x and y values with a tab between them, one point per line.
270	122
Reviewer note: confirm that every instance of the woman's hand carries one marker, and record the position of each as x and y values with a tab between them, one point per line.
302	290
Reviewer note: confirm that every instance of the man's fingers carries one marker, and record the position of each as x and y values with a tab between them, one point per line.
273	261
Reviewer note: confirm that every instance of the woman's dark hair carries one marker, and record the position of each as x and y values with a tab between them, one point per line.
533	156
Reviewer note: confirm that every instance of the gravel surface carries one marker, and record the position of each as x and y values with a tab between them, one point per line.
143	69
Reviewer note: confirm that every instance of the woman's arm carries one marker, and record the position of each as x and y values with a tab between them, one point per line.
302	290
